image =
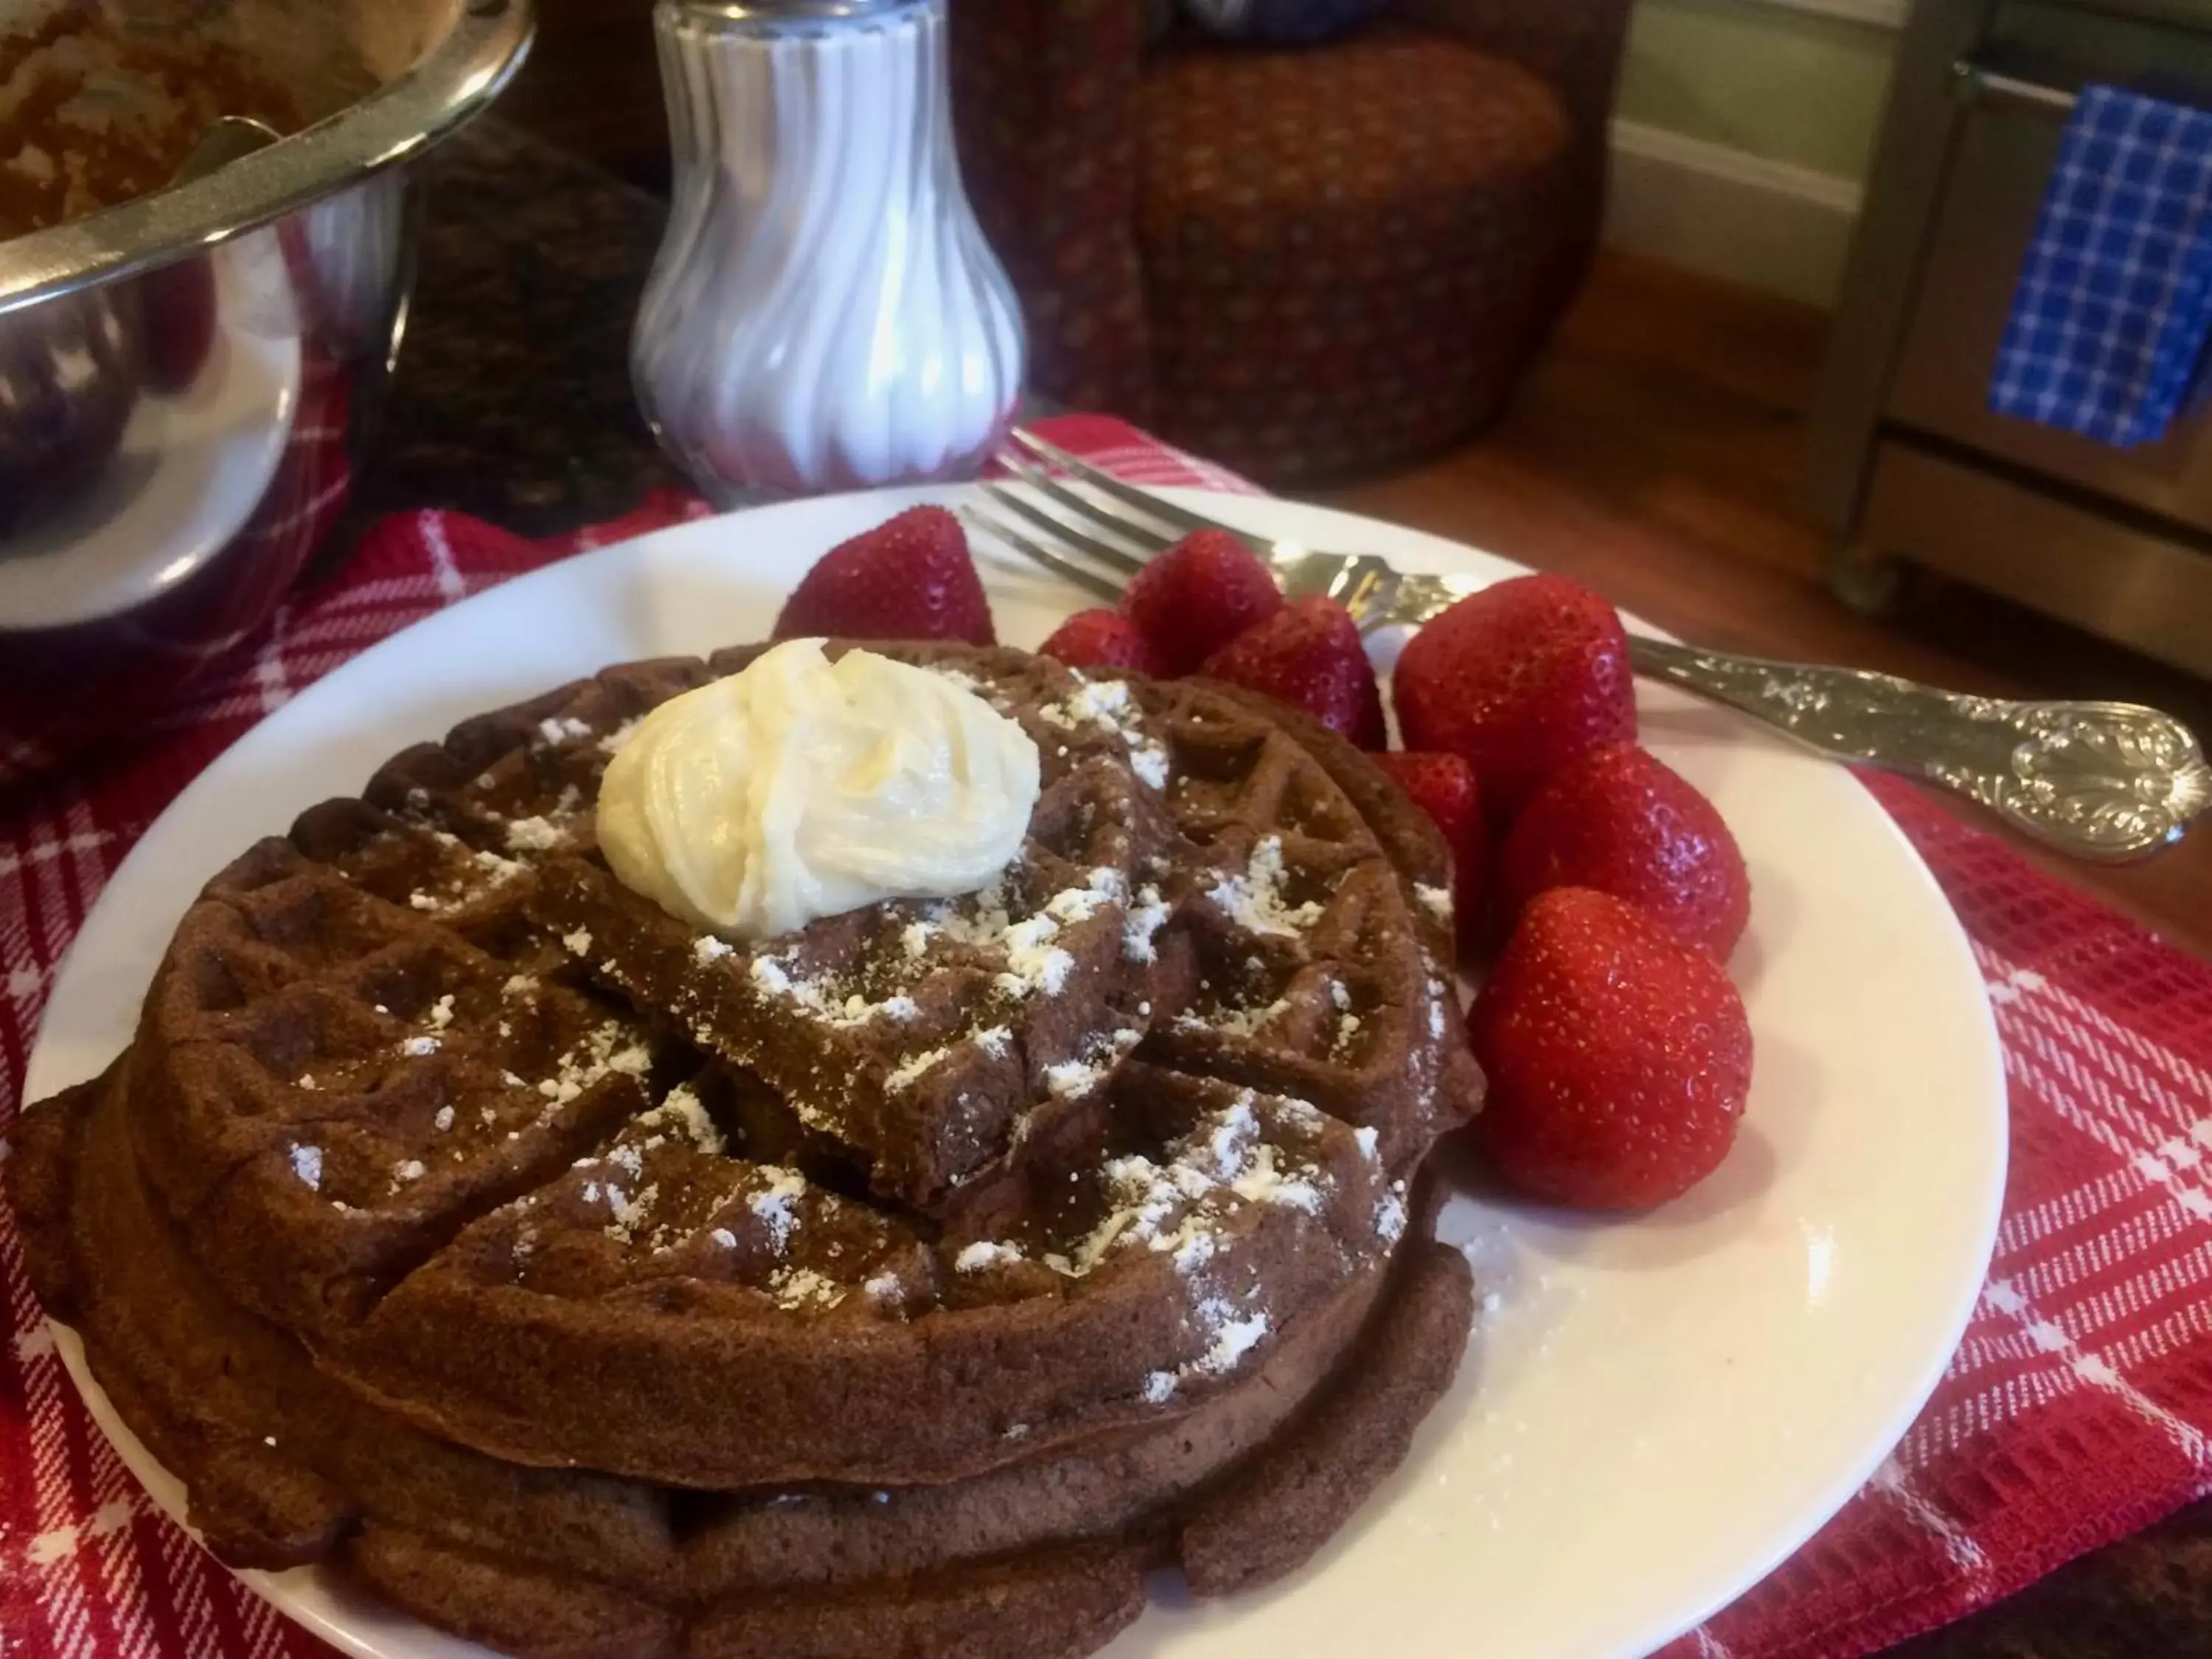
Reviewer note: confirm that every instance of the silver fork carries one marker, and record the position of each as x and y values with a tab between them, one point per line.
2105	781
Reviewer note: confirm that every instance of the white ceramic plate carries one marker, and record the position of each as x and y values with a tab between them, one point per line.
1654	1411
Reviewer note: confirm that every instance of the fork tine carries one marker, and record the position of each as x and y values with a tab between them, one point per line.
1078	528
1093	512
1105	483
1004	531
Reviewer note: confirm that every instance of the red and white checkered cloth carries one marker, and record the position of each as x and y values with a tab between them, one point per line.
2078	1409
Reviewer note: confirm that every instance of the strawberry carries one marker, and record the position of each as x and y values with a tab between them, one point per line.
1198	595
910	579
1621	820
1101	638
1517	680
1619	1058
1310	655
1443	787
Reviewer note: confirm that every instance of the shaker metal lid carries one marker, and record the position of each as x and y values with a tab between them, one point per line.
799	11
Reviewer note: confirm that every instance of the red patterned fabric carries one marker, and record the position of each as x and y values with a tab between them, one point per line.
1577	49
1574	48
1044	96
1349	254
1305	262
2077	1410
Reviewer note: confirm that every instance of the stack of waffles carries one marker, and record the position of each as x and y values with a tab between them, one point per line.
913	1282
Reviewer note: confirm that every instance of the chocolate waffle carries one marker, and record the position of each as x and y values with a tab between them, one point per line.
914	1278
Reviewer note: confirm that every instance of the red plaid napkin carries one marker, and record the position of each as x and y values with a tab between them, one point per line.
2077	1410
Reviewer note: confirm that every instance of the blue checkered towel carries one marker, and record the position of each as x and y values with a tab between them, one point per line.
2113	315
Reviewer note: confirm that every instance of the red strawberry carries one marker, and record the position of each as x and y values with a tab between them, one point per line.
1619	1058
910	579
1101	638
1620	820
1198	595
1310	655
1443	787
1518	680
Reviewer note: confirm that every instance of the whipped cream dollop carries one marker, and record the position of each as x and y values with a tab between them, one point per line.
803	787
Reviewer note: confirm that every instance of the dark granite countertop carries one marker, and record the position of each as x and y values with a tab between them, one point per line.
513	402
513	398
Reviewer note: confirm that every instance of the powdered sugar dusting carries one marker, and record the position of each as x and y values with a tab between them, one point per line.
478	874
535	834
1263	1182
777	1206
986	1254
819	998
1035	960
603	1054
1108	706
681	1110
1148	759
1233	1337
1254	900
1390	1213
501	869
1090	1067
1235	1022
803	1287
1147	917
910	1071
307	1166
629	1211
1224	1161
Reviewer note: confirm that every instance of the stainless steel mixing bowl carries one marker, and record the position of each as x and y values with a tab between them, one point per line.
188	379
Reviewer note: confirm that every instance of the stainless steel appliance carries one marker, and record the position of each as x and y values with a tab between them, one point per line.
188	378
1909	465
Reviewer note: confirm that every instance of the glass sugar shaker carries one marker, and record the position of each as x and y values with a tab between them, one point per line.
825	313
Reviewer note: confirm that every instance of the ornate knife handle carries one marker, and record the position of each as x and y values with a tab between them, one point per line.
2099	780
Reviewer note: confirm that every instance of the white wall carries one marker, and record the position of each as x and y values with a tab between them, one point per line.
1744	133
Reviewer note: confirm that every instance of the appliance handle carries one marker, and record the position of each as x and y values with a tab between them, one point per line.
1978	84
